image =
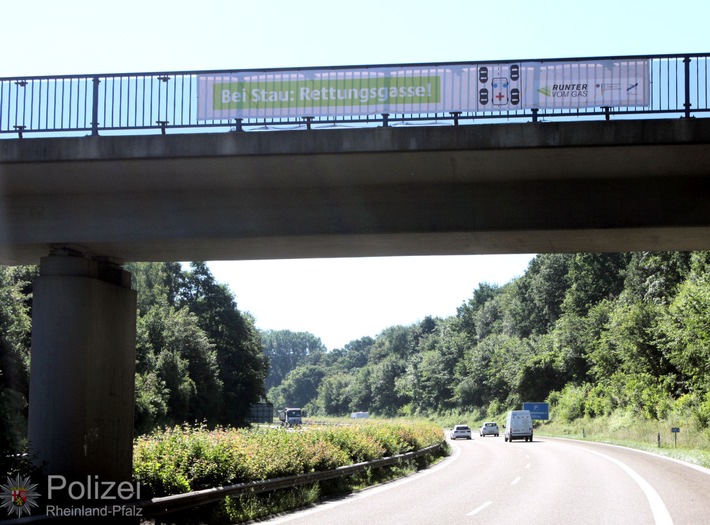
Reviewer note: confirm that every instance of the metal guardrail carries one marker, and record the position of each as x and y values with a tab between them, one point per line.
140	103
178	502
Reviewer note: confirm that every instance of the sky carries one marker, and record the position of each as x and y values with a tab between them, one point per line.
339	300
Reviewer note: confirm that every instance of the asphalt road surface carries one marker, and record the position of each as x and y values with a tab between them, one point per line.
547	481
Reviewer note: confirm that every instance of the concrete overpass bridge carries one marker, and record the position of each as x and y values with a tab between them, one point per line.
82	206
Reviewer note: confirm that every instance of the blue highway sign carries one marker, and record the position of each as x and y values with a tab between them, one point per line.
538	410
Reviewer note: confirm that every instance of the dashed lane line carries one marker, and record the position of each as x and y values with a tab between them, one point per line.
479	508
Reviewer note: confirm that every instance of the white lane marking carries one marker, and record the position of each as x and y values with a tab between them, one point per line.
527	466
515	481
479	508
661	516
371	491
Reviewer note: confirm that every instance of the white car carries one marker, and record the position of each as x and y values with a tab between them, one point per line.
461	431
488	429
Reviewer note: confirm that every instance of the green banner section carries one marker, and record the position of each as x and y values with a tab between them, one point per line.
354	92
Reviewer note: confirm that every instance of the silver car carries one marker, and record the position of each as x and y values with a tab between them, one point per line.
488	429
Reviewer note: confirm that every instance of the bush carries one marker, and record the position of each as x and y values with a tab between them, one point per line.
183	459
571	402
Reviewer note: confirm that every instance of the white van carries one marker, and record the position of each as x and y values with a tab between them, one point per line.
518	425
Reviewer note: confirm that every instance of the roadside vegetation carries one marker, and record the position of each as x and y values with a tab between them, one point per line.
184	458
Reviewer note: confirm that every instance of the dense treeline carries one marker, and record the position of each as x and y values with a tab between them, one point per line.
198	358
591	333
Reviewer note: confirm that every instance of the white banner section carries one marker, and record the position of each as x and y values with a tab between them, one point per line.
426	89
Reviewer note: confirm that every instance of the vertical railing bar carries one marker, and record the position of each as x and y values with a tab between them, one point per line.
95	82
86	102
24	101
32	105
182	100
112	103
51	102
135	104
54	103
77	104
120	102
160	92
4	97
71	103
46	110
668	85
125	87
87	114
705	76
104	118
192	77
40	102
174	119
69	98
108	94
150	114
17	104
686	84
81	118
144	98
2	101
131	95
61	113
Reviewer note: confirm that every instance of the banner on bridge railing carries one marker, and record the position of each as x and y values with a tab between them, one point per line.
424	89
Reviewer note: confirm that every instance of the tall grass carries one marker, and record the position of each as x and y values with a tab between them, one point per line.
186	458
626	428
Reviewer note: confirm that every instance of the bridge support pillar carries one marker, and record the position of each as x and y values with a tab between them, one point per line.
82	368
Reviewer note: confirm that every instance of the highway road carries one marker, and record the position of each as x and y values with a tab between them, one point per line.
548	481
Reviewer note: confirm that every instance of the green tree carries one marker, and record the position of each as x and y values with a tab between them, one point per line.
299	388
655	276
629	336
386	397
241	363
594	277
685	333
224	361
472	319
15	328
334	395
537	296
286	350
186	363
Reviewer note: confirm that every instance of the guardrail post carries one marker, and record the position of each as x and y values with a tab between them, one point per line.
385	120
534	114
456	115
95	107
686	62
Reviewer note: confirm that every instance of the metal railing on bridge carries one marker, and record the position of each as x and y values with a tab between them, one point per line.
660	86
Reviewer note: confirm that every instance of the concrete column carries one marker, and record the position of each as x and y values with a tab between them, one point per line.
82	368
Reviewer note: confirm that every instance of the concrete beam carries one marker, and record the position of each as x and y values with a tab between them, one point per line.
513	188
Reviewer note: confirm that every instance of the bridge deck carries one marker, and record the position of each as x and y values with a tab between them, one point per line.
516	188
